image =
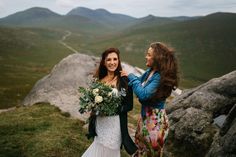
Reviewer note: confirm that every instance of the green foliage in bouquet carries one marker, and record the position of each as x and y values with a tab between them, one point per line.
100	99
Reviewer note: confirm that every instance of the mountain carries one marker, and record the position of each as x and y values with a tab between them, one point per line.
44	18
29	16
184	18
104	16
151	20
218	17
82	19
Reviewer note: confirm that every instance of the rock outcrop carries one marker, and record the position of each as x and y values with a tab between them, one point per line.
196	129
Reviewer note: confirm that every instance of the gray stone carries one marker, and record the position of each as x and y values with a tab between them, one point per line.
192	114
219	121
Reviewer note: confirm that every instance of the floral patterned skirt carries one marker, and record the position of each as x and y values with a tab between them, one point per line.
151	133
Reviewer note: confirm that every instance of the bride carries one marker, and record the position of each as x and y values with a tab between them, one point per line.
111	132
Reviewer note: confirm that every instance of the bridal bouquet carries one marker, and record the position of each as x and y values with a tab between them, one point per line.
100	99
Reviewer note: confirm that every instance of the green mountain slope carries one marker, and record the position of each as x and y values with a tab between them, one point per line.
151	20
26	55
205	46
29	17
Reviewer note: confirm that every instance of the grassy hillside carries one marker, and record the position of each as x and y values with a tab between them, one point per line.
204	46
26	55
41	130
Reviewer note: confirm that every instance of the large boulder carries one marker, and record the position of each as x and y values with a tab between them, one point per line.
60	87
202	120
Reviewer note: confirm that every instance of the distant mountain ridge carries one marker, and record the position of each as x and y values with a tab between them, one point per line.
104	16
99	18
151	20
229	18
45	18
28	15
184	18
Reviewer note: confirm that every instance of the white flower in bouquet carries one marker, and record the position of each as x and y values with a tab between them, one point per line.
95	91
98	99
109	94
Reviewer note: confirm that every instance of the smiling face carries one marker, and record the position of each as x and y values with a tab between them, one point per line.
111	62
149	57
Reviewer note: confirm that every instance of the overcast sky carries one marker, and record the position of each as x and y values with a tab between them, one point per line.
135	8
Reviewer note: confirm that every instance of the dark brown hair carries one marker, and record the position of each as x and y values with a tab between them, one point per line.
165	62
102	70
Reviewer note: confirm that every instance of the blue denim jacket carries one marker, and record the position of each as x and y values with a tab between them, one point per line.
144	93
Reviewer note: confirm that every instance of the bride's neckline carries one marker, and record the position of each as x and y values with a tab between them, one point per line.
110	81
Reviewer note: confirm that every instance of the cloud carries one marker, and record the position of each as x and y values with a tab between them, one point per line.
197	5
2	7
65	3
193	7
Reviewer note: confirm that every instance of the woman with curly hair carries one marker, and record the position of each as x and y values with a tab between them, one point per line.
152	89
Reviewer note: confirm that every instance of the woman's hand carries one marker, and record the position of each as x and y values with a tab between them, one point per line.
123	73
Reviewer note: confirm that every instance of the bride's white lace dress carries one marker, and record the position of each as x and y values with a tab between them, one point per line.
108	140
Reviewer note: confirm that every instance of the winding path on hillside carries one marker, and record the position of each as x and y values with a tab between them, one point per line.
61	41
68	33
6	110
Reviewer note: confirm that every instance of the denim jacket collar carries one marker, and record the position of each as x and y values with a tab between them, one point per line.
146	74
